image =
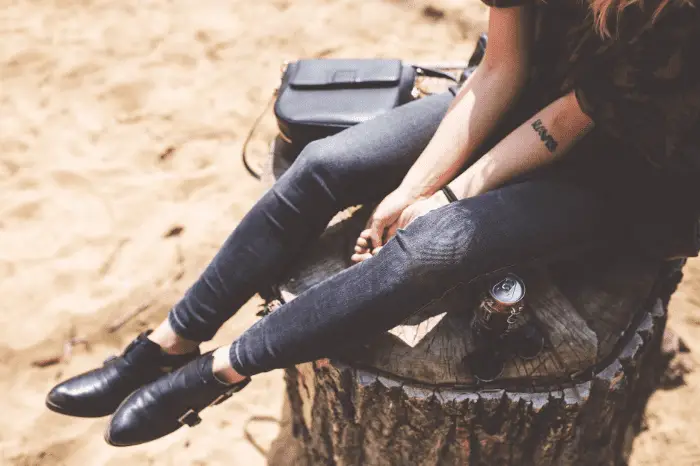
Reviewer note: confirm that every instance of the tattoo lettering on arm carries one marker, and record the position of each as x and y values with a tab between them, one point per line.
548	140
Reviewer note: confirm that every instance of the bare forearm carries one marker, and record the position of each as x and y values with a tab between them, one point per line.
484	98
545	137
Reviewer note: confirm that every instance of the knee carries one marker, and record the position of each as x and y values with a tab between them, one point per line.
438	243
316	159
319	170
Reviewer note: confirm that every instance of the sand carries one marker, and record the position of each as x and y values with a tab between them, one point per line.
121	123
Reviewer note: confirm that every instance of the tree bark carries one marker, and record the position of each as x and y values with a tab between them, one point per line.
338	415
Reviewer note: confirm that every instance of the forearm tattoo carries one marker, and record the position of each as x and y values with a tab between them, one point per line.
548	140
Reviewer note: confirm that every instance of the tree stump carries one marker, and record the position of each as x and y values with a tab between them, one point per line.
407	398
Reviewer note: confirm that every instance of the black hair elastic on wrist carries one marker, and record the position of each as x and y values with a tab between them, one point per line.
449	194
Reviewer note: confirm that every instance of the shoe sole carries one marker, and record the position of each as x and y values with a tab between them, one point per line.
109	440
66	412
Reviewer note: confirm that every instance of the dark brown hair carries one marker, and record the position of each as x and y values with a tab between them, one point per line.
603	10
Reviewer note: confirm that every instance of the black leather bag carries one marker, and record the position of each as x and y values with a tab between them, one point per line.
320	97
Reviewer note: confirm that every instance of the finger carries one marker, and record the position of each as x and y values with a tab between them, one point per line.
360	249
366	235
376	250
360	257
362	242
376	231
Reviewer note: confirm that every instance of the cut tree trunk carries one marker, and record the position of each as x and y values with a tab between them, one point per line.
408	398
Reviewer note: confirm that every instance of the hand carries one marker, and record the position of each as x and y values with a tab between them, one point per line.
384	215
405	218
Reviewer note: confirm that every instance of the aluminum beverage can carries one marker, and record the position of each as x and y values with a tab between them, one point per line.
501	329
506	293
504	297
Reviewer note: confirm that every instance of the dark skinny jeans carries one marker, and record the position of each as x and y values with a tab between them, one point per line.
539	218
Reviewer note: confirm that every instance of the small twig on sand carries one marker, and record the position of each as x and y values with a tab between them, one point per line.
167	153
104	268
122	320
249	437
47	362
65	356
180	264
174	231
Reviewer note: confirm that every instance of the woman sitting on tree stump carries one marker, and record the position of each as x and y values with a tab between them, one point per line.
574	133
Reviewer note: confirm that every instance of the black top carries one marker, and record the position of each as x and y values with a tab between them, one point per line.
642	88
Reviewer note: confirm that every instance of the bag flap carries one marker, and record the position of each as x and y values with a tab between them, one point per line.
328	73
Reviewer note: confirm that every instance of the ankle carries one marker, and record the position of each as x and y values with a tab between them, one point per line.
170	342
221	366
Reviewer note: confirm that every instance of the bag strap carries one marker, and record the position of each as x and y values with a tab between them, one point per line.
420	70
433	73
244	150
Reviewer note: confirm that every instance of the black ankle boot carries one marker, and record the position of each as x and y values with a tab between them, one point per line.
99	392
167	404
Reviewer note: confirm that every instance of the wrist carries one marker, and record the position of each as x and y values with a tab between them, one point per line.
411	195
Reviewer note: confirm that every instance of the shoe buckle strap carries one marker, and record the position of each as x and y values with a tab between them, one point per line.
190	418
221	398
229	393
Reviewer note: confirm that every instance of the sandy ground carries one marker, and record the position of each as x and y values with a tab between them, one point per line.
120	121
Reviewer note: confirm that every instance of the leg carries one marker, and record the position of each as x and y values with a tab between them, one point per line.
517	224
360	164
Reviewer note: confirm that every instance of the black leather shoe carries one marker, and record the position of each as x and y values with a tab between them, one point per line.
99	392
169	403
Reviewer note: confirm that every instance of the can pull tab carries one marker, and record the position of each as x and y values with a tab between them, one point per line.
509	290
505	287
507	284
